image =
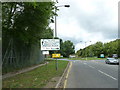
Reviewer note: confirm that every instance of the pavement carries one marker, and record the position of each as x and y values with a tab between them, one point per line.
92	74
11	74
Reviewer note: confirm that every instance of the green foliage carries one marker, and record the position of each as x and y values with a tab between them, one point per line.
112	48
108	49
48	34
23	25
67	48
26	22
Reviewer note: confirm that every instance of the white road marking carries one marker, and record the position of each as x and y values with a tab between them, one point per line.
101	71
91	66
107	75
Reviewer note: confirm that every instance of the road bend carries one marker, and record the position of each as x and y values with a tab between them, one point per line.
92	74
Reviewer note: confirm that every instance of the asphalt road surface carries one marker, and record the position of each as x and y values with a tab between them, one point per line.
92	74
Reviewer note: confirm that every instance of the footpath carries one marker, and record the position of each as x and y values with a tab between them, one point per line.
22	71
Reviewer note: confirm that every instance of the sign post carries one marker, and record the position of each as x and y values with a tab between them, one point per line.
56	56
51	44
45	53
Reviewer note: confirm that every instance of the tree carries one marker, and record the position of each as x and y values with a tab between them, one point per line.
23	25
67	48
108	49
98	48
112	48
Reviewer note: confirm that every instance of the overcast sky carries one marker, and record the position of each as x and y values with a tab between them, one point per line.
87	20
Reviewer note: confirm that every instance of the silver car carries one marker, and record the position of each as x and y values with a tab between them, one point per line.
111	61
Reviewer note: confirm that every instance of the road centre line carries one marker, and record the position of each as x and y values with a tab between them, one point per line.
106	65
102	72
107	75
85	63
91	66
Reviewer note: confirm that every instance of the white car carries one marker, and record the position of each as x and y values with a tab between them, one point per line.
111	61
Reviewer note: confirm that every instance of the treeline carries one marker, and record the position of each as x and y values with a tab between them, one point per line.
23	25
66	48
108	49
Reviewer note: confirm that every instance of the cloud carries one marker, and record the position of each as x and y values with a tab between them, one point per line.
88	20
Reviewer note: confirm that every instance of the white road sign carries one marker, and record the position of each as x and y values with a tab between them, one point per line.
50	44
45	52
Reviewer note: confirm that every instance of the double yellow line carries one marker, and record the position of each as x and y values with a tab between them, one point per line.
65	82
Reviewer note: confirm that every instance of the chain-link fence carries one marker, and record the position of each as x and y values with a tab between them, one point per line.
17	56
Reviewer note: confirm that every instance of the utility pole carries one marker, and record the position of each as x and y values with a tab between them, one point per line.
56	26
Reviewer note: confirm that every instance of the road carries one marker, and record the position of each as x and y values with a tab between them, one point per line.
92	74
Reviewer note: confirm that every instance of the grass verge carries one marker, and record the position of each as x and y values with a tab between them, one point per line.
88	58
36	78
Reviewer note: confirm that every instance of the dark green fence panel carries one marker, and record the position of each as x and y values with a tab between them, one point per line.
18	56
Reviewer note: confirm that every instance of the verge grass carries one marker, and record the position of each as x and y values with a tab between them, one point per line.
36	78
88	58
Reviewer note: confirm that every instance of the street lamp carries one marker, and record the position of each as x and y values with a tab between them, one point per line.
63	6
56	19
56	27
85	46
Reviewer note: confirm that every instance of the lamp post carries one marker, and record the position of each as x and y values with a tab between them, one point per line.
85	46
56	27
56	18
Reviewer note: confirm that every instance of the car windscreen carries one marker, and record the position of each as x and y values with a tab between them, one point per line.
111	59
